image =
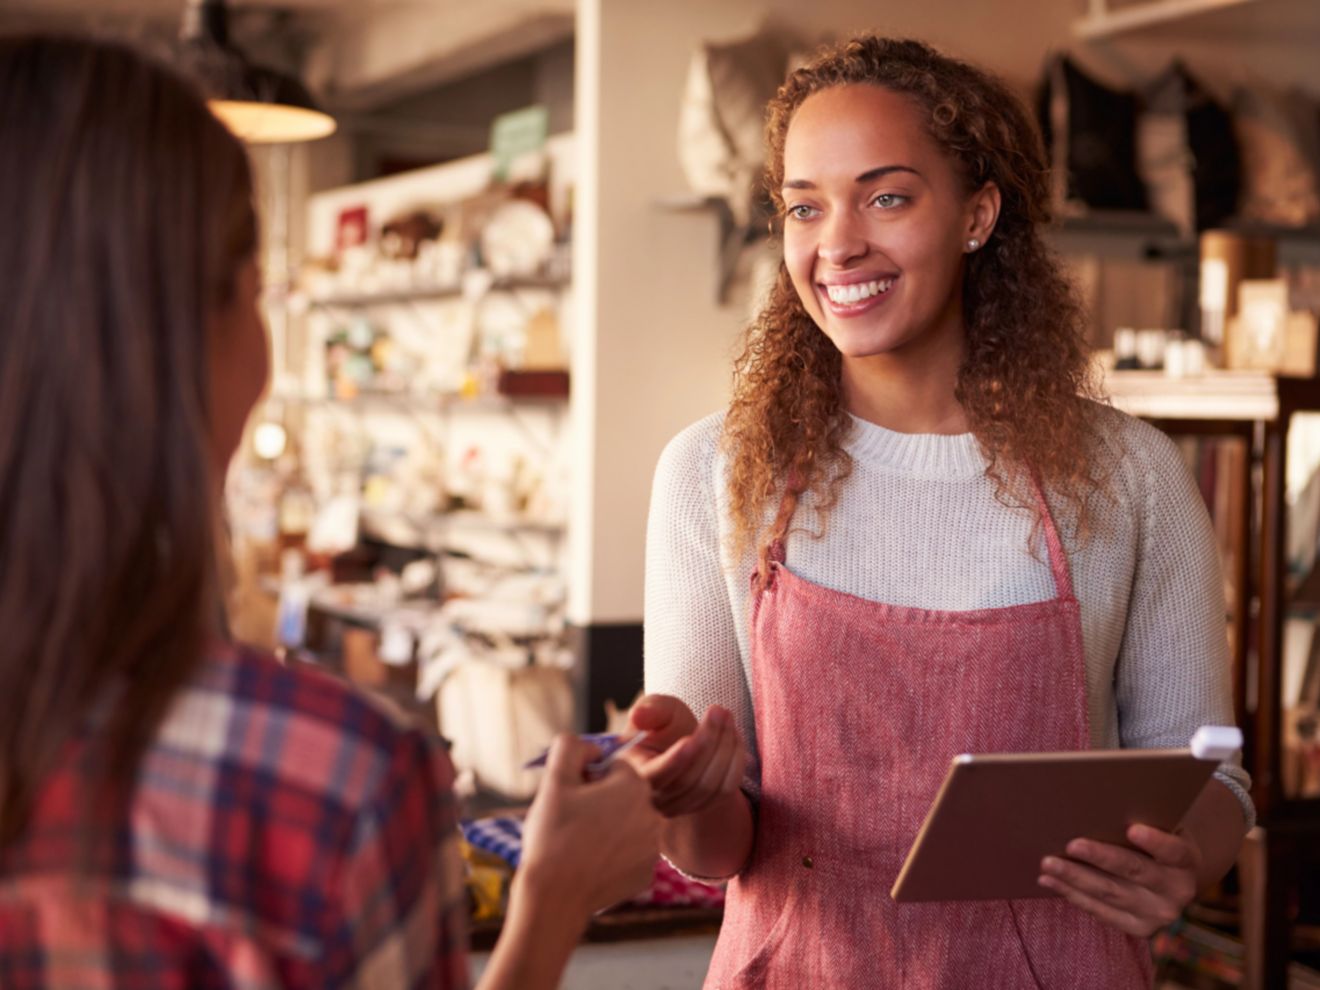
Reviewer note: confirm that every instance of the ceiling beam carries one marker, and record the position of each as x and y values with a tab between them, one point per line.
388	53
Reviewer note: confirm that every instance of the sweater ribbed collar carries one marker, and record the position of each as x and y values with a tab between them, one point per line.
927	455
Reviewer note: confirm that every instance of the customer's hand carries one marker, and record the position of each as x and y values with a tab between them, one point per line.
589	844
1136	891
689	765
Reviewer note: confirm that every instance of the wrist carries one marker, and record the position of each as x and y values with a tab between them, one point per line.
714	842
538	894
541	929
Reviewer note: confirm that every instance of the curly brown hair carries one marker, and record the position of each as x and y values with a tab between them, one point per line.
1025	376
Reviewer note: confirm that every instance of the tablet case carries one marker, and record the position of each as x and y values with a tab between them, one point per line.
997	816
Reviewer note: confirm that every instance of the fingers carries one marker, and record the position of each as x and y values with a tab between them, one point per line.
676	762
1125	921
656	712
568	759
699	769
1117	862
704	774
1167	848
1129	889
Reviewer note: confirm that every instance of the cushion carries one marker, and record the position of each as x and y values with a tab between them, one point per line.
1187	152
1280	185
721	124
1090	130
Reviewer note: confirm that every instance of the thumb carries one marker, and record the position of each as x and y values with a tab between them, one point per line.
568	759
652	712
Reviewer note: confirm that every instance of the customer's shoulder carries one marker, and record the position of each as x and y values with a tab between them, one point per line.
245	707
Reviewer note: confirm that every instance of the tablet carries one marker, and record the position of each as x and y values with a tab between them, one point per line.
997	816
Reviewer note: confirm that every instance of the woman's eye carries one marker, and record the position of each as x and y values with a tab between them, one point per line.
800	212
887	201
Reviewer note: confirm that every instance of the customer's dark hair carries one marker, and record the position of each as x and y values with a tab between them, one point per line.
127	213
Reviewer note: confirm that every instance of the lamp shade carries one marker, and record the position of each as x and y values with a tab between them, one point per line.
260	105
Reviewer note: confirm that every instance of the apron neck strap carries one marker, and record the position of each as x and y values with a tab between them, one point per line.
772	549
1058	558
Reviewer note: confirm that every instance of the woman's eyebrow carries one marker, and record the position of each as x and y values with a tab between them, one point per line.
870	175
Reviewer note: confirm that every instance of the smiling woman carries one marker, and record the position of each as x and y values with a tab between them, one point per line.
941	155
915	535
877	219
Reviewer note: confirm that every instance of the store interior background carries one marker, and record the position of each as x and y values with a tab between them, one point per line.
646	326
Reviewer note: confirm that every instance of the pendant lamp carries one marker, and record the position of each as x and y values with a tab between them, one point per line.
260	105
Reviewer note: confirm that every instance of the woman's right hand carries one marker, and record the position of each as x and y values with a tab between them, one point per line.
690	765
586	846
596	842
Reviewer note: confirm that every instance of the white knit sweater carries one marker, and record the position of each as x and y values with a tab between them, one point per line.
918	525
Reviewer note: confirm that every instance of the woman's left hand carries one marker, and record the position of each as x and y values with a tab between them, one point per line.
1136	891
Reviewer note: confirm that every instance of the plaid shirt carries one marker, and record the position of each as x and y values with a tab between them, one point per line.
285	831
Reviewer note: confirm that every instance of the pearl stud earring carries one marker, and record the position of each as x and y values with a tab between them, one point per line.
973	244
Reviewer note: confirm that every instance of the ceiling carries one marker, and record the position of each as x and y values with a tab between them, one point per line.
169	9
355	52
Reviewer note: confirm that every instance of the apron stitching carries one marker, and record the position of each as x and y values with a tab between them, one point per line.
1022	942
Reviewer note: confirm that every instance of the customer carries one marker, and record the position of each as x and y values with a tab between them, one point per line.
177	811
867	565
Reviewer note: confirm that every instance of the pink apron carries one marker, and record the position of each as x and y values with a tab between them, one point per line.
859	708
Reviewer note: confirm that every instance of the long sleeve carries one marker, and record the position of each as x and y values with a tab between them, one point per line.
692	645
1172	674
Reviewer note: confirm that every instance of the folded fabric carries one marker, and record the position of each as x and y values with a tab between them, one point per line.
1187	152
1090	131
669	888
501	836
1280	182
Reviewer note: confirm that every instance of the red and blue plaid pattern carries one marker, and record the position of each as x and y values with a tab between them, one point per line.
285	831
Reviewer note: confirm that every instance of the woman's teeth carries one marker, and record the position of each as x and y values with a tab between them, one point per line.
857	291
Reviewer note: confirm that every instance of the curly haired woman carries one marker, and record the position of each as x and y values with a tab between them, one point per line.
867	565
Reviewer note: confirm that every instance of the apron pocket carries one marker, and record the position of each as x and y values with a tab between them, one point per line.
751	975
1063	946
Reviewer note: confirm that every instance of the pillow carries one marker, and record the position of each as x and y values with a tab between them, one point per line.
721	123
1305	114
1187	153
1280	185
1090	130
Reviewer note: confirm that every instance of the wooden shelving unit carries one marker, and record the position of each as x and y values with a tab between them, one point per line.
1258	409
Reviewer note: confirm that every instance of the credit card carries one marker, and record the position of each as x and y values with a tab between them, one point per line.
609	744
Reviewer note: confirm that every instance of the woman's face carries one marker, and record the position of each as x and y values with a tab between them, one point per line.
238	363
877	221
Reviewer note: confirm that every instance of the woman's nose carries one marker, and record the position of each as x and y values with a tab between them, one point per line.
841	239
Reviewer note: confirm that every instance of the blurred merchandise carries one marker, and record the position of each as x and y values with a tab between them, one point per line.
1227	257
498	718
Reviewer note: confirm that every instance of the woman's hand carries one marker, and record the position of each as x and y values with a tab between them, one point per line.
585	846
594	841
689	765
1136	891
